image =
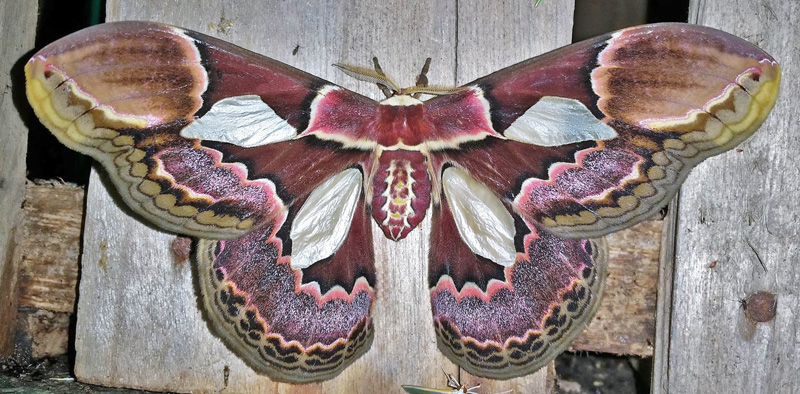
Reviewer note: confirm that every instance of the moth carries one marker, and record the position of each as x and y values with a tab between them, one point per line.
278	173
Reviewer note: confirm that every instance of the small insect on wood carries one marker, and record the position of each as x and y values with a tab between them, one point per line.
278	173
454	387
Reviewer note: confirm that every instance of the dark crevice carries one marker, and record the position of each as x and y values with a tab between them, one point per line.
667	11
47	158
593	18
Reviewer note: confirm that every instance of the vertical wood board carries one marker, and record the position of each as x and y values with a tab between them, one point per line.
741	210
659	377
139	323
17	34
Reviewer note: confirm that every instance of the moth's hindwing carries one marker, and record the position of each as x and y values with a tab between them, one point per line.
296	325
502	322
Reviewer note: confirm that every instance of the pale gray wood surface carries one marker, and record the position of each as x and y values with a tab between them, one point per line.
17	34
659	378
742	210
138	322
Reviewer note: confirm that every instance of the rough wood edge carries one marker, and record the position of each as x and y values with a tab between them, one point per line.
9	289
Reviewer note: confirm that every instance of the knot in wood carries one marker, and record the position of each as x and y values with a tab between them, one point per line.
761	306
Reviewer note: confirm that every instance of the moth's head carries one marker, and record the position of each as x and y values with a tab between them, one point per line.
394	94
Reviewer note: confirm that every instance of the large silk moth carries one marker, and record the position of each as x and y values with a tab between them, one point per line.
278	173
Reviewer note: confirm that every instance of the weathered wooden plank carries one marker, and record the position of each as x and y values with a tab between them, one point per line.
659	379
17	34
738	233
138	321
48	269
41	333
50	243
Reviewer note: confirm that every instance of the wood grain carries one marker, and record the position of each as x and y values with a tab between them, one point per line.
139	325
48	269
17	33
50	243
659	378
742	211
